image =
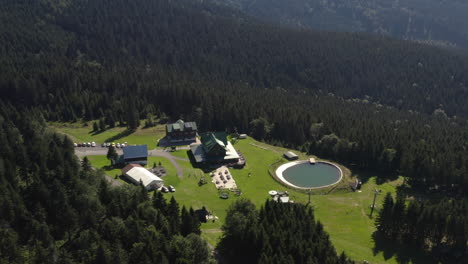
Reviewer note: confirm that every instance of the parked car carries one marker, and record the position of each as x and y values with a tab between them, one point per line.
93	144
164	189
83	144
171	188
75	145
88	144
118	145
113	144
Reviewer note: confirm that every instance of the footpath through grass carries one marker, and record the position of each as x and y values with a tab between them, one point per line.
344	214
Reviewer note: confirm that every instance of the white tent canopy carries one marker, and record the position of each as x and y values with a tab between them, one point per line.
149	180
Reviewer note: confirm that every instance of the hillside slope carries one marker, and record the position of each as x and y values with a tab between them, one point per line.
374	102
212	43
441	23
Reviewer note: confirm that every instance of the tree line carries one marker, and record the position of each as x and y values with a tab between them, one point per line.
276	233
440	227
214	43
166	71
430	21
56	209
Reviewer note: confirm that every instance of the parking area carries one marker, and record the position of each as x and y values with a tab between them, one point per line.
94	151
103	145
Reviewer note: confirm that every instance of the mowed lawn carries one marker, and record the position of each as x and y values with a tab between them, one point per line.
79	132
344	214
101	162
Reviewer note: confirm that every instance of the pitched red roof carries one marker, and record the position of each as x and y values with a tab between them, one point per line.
129	167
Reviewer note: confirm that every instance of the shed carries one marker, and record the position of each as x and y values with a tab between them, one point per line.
136	174
290	155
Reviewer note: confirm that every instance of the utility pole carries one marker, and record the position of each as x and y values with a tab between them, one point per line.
373	203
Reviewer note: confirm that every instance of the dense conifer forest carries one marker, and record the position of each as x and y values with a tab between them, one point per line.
56	209
369	102
441	23
374	102
440	226
210	43
277	233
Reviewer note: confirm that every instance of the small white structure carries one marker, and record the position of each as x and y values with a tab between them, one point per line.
136	174
312	161
242	136
280	197
290	155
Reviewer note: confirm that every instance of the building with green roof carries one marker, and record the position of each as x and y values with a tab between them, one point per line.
214	148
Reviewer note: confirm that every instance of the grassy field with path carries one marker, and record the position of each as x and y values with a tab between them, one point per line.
344	214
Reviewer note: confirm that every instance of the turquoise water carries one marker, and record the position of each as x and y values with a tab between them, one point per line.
308	175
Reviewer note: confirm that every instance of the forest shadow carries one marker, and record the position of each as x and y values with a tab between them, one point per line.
127	132
404	253
380	177
96	132
125	179
422	193
107	167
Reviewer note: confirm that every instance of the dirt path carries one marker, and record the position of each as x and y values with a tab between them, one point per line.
172	159
212	230
263	147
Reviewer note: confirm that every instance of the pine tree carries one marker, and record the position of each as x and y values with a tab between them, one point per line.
102	256
384	219
102	125
112	154
398	214
186	222
159	202
195	222
173	216
85	164
95	127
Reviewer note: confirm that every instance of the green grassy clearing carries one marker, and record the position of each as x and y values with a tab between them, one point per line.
180	153
78	132
101	162
345	214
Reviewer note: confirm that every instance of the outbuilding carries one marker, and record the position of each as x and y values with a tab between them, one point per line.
290	155
135	154
136	174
